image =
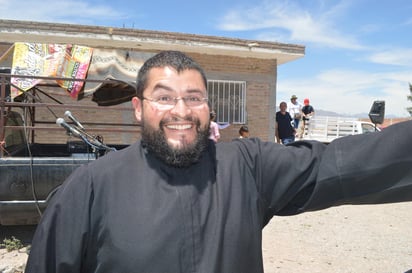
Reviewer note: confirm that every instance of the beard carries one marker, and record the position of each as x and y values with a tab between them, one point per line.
154	140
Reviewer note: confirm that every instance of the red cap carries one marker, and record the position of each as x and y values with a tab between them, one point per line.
306	101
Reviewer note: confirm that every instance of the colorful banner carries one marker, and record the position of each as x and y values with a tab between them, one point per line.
75	65
49	60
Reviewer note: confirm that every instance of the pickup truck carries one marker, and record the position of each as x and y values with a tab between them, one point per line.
41	143
30	173
326	129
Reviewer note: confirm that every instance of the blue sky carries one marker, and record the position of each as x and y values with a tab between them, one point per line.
357	51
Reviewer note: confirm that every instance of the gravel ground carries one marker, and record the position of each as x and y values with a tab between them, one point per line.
13	262
346	239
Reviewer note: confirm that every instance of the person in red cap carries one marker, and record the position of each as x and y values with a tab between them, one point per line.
307	112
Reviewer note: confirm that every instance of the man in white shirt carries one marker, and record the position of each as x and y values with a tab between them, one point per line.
295	110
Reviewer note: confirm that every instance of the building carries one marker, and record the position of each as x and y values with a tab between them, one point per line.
242	73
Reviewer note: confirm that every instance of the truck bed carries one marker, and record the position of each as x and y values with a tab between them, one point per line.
326	129
29	177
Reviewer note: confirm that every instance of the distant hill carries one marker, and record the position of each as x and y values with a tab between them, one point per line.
328	113
359	115
389	119
320	112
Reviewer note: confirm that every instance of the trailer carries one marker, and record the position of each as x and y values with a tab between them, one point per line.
327	129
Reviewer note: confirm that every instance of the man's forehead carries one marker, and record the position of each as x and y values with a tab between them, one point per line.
171	71
189	77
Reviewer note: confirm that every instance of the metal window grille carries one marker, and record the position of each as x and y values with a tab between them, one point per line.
228	100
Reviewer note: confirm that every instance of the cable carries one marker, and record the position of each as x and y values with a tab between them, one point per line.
33	191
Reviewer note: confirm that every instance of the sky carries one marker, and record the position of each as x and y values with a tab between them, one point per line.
356	51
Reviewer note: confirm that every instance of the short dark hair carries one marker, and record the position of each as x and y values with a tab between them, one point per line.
212	114
244	128
175	59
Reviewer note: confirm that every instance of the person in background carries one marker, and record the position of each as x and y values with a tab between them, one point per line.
244	132
284	131
214	133
295	110
307	112
174	201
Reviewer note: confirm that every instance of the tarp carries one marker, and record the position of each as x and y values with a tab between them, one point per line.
120	67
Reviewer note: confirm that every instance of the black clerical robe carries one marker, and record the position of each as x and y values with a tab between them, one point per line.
129	212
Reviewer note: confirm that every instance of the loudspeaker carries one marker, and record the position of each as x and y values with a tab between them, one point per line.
377	112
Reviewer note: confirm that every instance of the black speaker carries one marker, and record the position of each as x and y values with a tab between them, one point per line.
377	112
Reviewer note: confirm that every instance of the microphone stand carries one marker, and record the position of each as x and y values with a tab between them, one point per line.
91	141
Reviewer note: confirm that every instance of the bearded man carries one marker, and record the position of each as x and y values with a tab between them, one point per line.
176	201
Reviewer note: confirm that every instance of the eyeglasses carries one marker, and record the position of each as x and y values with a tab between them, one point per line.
165	101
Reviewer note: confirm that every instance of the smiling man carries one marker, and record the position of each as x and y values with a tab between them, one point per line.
177	202
172	108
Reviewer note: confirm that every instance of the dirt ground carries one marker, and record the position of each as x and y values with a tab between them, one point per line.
12	262
346	239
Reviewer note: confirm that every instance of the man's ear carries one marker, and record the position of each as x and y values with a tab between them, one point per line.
137	105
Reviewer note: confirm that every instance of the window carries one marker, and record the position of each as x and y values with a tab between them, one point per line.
228	100
368	128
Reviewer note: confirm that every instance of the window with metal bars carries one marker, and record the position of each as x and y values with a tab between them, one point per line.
228	100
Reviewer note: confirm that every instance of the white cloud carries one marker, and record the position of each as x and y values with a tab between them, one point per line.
317	24
351	92
300	24
58	11
396	56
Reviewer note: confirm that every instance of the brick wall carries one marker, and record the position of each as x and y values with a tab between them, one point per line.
260	76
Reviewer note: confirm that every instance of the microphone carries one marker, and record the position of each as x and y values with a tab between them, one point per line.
70	116
70	129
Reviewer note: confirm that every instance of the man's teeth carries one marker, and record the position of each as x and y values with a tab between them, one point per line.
179	126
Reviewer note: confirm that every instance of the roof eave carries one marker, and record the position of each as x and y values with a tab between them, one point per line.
108	37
